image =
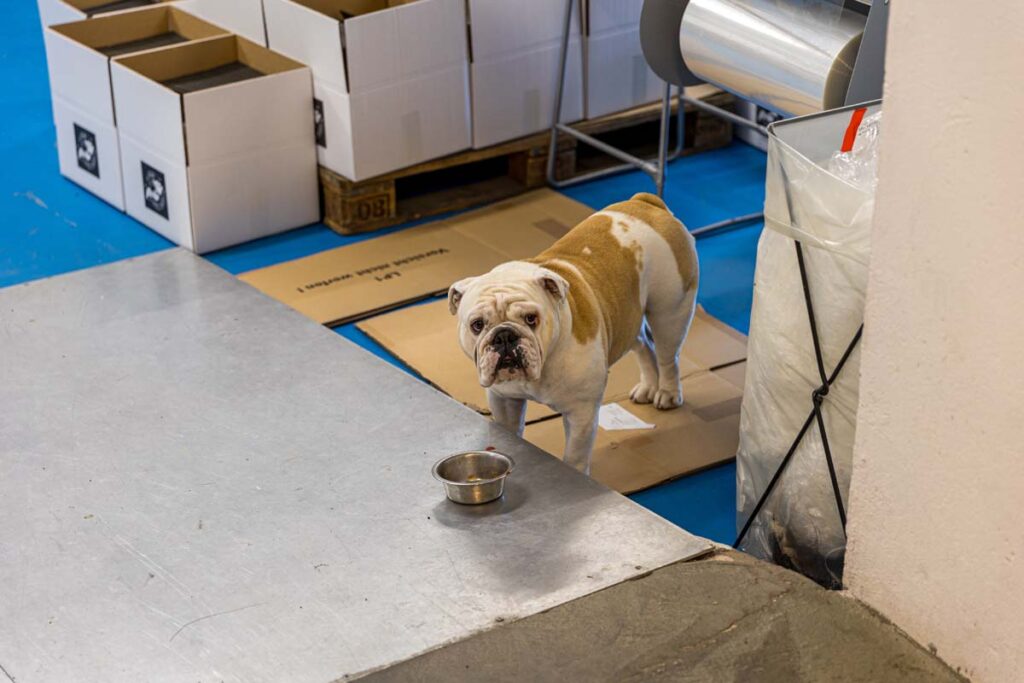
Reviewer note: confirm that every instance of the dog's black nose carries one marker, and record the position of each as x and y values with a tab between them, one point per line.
505	339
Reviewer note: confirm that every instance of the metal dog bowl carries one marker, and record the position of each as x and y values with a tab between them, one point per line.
474	477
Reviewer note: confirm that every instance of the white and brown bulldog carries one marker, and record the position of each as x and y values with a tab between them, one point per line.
548	329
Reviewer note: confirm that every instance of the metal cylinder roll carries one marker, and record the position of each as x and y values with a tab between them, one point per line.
791	56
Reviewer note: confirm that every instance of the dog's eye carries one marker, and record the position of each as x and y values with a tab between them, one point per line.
477	326
531	319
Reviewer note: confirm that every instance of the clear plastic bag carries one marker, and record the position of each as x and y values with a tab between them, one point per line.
859	166
827	206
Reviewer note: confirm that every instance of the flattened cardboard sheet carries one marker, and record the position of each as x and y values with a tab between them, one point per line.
702	433
426	339
352	282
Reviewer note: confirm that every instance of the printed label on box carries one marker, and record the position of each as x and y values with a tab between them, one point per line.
155	189
86	152
319	123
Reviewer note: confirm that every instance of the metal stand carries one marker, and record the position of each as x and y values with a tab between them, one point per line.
656	168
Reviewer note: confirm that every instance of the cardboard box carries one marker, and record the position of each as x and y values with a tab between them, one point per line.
391	78
704	432
244	17
617	75
78	56
514	57
216	141
355	281
53	12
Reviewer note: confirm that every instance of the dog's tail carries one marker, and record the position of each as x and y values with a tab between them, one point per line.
648	198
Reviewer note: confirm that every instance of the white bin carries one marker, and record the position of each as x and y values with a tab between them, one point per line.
799	525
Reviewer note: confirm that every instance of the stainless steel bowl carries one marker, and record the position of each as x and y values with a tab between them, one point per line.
474	477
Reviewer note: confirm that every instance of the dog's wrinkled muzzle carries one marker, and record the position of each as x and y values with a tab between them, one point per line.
505	343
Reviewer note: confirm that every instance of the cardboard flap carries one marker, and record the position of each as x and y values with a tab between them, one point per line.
79	74
704	432
270	112
426	339
309	36
351	282
128	27
205	55
144	105
182	60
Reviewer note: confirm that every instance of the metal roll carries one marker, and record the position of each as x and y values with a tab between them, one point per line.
791	56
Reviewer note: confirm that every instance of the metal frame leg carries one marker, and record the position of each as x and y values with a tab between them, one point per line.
657	169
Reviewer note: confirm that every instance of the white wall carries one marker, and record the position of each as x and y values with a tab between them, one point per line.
937	498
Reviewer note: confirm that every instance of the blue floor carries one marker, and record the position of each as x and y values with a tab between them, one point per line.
50	226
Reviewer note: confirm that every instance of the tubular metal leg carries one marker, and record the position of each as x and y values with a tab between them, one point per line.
666	115
556	117
655	168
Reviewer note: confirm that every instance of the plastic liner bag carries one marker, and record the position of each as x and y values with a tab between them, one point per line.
824	198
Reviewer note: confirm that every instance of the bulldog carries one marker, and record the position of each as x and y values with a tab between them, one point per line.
547	329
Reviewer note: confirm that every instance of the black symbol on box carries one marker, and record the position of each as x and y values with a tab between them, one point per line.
154	189
319	124
85	150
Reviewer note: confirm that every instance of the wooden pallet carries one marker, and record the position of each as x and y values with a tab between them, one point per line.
482	176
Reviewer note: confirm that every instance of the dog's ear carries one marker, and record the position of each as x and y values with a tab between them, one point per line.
455	293
554	284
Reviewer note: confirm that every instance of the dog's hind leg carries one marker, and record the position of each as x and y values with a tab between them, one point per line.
645	391
669	325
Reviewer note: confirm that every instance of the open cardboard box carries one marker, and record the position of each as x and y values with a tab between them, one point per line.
391	81
78	56
352	282
515	49
702	433
216	141
60	11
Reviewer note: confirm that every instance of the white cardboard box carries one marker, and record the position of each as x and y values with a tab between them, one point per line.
244	17
226	162
617	75
392	81
78	58
515	49
62	11
88	152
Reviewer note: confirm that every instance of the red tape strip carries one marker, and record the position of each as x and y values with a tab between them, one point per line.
851	130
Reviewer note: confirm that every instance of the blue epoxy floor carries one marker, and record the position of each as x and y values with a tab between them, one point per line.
50	226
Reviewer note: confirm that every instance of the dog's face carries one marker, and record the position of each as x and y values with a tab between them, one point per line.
509	320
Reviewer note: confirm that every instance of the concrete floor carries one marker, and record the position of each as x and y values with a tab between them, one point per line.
725	617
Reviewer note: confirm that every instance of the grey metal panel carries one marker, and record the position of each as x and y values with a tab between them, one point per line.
659	39
869	70
200	484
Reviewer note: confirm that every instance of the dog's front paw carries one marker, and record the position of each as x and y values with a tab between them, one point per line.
667	400
643	393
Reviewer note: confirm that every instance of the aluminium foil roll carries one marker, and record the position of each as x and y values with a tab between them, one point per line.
791	56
